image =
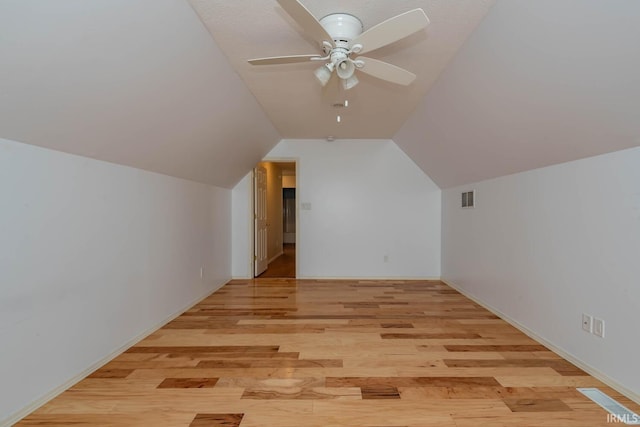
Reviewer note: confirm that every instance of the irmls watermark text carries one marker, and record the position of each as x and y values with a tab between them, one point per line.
624	418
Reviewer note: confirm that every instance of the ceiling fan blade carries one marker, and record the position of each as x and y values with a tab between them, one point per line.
392	30
306	20
386	71
290	59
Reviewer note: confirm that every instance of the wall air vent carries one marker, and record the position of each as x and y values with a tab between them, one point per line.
468	199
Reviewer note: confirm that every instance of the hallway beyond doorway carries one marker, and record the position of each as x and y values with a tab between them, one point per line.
283	266
274	219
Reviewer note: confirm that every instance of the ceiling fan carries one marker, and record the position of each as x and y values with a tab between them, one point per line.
342	41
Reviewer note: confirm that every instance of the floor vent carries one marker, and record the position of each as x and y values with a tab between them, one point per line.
617	412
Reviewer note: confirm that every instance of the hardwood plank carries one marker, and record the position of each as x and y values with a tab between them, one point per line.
111	373
409	381
419	336
203	349
304	393
109	420
271	363
561	366
380	393
216	420
495	348
536	405
188	383
396	325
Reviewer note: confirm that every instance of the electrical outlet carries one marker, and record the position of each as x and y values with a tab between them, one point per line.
386	258
587	323
598	327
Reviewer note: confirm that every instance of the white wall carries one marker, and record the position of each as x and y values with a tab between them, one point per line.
368	200
93	254
546	245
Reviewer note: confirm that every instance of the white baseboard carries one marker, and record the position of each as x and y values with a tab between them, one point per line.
566	355
17	416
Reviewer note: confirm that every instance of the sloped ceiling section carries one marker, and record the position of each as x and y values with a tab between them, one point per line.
538	83
140	83
291	95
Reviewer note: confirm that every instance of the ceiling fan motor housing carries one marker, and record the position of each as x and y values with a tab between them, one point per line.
342	27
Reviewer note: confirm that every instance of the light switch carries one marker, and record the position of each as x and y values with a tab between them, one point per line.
598	327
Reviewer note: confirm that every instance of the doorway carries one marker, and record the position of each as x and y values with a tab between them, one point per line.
275	219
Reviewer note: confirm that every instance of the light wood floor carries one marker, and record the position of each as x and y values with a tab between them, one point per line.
281	352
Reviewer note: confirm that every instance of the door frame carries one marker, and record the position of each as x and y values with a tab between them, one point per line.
296	161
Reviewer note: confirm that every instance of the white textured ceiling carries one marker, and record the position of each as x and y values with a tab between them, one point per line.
136	82
290	94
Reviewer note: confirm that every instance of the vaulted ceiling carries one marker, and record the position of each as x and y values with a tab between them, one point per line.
135	82
539	82
163	85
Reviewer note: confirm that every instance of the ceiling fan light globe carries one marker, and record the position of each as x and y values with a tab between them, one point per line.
345	68
323	74
350	83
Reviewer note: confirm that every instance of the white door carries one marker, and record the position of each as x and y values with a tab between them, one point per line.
260	216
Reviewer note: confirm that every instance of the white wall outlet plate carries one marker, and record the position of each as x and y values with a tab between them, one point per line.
598	327
587	323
